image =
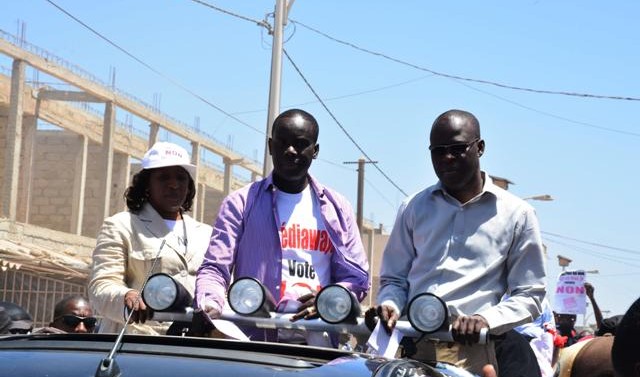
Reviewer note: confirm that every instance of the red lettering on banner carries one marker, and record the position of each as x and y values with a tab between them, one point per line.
570	290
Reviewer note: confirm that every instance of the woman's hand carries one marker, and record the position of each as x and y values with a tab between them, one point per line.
133	302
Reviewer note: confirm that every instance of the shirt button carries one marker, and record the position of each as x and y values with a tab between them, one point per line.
183	273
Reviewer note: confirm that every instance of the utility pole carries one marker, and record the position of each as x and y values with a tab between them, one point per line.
359	208
280	17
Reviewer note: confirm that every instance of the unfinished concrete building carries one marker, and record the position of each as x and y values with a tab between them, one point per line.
65	163
60	181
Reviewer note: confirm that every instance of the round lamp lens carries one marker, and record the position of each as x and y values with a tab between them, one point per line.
427	313
334	304
246	296
160	292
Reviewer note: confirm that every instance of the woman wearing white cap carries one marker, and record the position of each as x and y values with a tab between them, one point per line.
155	225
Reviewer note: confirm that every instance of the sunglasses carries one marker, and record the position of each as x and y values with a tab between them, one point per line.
73	320
456	150
19	331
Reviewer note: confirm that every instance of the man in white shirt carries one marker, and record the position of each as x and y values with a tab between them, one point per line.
467	241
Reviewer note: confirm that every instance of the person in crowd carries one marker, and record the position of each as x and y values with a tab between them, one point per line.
5	321
565	322
609	325
586	358
565	325
154	235
604	325
540	334
625	356
585	354
515	356
21	320
467	241
590	292
287	230
73	314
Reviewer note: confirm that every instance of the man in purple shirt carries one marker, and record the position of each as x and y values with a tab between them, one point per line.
270	229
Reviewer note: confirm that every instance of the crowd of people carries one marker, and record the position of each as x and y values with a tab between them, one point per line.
464	239
72	314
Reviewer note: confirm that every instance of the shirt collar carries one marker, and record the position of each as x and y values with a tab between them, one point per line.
488	187
315	185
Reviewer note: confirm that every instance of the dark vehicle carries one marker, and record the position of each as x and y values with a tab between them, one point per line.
71	355
114	355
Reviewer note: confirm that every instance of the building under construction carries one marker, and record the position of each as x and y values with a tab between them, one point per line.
66	164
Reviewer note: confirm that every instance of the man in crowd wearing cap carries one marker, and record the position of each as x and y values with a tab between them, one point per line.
20	321
289	231
5	321
155	227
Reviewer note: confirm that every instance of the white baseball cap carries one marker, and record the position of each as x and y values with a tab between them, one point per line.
163	154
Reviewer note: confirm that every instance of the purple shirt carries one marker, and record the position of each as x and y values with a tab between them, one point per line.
246	243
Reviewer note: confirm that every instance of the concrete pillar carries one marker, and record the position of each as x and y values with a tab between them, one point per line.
154	128
26	168
79	185
14	142
195	159
228	172
108	133
119	181
370	248
125	178
202	193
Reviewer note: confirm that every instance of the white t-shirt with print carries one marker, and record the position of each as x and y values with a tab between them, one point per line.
306	247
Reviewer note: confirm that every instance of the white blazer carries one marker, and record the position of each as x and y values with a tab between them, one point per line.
125	250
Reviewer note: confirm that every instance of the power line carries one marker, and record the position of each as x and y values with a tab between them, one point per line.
625	261
340	124
262	23
592	243
453	77
367	181
584	250
375	188
399	61
174	82
434	73
456	77
576	122
362	92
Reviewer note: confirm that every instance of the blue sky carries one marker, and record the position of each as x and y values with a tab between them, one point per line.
580	150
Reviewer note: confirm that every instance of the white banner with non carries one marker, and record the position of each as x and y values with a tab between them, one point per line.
570	296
